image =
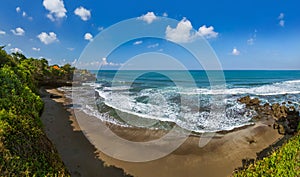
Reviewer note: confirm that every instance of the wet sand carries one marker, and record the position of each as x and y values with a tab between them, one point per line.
218	158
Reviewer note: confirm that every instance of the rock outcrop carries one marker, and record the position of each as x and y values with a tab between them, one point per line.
286	117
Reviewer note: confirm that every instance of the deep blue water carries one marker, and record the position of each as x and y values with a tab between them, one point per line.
195	100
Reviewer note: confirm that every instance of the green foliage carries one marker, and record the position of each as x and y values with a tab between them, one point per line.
284	162
24	147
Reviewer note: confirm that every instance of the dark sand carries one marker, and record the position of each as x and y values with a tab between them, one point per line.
218	158
77	153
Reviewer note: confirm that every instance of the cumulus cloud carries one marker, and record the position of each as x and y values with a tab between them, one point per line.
88	36
83	13
165	14
56	9
137	42
149	17
70	48
47	38
36	49
16	50
2	32
281	19
18	9
207	32
184	33
235	51
18	31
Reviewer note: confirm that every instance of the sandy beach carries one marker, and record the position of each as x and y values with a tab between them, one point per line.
77	153
218	158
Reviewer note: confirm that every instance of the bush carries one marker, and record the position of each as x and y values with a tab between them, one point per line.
285	161
24	148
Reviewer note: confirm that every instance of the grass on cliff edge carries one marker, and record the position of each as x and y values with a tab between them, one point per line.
283	162
24	148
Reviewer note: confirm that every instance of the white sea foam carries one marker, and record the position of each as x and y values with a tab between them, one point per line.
281	88
159	104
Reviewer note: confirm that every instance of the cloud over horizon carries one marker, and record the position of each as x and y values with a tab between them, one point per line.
184	32
235	51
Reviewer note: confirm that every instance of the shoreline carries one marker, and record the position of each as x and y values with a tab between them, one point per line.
219	157
77	153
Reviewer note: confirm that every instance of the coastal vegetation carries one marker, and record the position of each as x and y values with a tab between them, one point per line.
24	148
282	161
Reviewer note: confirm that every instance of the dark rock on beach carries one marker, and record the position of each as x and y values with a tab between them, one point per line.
286	117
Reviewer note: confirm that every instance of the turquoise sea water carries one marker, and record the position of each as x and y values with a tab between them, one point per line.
191	99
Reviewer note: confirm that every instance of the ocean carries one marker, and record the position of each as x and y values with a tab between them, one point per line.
189	99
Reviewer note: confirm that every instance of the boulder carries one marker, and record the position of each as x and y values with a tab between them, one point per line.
248	101
286	117
281	129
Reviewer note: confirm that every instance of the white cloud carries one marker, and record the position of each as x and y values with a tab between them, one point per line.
235	51
153	45
165	14
24	14
281	16
36	49
8	45
88	36
47	38
83	13
105	63
184	33
70	48
137	42
149	17
2	32
281	19
281	23
16	50
207	32
250	41
100	28
18	9
56	9
18	31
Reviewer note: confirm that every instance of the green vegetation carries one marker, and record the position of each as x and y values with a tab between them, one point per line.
24	148
285	161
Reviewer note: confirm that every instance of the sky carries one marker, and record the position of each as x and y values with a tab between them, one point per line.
248	34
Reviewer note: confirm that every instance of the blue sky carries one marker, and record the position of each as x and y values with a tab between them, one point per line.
249	34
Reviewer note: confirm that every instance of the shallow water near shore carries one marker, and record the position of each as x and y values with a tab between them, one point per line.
154	101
